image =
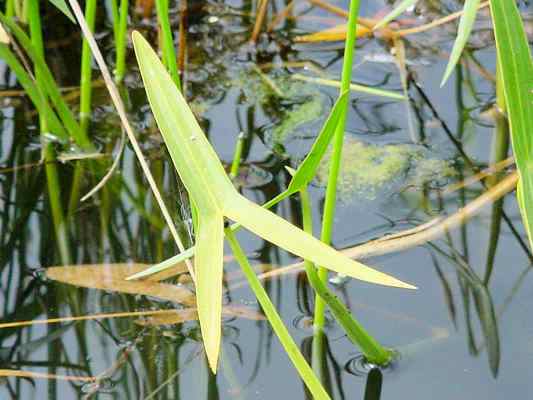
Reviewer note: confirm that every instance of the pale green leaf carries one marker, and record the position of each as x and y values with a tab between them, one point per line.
514	58
168	263
283	234
208	265
399	9
463	33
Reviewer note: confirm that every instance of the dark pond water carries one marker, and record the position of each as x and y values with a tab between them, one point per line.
457	340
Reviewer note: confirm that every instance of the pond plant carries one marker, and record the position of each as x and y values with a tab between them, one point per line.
218	210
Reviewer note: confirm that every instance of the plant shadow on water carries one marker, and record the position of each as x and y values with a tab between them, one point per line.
461	335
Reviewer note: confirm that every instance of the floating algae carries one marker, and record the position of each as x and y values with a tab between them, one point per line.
290	104
297	116
369	170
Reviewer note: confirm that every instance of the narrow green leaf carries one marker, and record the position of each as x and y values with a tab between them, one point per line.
168	263
514	58
32	91
49	85
463	33
208	266
353	86
399	9
307	169
283	234
62	6
291	348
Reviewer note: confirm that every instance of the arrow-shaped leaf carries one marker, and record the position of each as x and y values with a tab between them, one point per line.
213	194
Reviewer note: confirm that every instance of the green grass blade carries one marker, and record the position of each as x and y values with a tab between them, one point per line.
313	384
514	58
463	33
61	5
283	234
25	80
49	84
208	266
353	86
397	11
168	263
307	169
373	351
169	53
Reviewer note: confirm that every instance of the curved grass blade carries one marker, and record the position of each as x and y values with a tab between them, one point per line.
515	64
164	265
398	10
48	83
463	33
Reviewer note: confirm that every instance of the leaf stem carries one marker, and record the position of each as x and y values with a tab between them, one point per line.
291	348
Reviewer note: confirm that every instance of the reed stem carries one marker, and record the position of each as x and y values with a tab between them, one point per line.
52	178
235	165
331	190
169	54
120	27
86	70
373	351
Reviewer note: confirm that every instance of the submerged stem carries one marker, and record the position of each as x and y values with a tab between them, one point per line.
373	351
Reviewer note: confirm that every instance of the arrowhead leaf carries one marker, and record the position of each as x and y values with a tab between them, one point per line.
213	194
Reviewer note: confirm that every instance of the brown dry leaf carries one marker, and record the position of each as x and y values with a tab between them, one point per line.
39	375
113	277
190	314
337	33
